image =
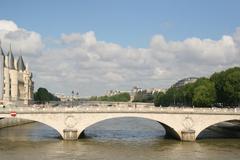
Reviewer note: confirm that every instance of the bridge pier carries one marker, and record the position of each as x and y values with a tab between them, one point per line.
70	134
188	135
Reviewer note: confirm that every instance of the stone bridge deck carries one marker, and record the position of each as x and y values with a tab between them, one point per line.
181	123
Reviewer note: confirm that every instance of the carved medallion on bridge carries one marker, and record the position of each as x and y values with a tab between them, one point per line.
70	121
188	123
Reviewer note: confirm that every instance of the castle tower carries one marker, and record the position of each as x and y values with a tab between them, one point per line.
16	85
13	80
2	64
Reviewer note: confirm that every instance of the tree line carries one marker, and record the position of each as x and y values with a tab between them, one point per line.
121	97
221	89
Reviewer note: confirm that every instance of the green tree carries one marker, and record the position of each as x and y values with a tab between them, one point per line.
232	88
227	86
42	96
188	92
121	97
159	99
204	93
93	98
219	80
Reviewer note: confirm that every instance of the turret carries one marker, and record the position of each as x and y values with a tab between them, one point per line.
20	64
1	51
1	71
2	54
10	59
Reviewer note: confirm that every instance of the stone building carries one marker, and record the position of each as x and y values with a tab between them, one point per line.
185	81
16	85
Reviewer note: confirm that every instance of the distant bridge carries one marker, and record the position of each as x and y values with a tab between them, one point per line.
181	123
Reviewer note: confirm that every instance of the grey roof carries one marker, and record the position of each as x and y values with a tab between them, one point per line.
20	64
184	81
1	51
10	59
2	54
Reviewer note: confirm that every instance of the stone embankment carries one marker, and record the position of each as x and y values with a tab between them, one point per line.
10	122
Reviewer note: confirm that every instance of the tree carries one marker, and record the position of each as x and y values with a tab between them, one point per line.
227	86
188	92
232	88
219	80
159	99
204	93
42	96
93	98
121	97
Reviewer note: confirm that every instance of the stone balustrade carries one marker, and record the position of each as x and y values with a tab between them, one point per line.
132	108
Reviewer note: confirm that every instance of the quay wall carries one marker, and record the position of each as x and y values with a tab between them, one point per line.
10	122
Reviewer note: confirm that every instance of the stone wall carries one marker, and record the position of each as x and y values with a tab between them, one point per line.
9	122
1	76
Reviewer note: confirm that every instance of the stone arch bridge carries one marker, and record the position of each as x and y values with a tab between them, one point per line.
181	123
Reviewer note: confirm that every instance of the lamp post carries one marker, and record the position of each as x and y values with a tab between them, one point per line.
72	97
174	98
184	99
77	97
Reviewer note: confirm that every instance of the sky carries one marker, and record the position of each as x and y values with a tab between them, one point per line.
92	46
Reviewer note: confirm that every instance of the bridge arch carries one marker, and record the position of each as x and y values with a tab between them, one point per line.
170	130
59	131
212	123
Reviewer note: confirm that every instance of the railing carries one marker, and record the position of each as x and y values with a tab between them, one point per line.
119	108
97	103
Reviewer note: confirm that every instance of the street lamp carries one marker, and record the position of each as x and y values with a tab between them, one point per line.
77	97
174	98
72	97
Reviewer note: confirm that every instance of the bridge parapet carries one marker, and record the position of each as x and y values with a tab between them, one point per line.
123	109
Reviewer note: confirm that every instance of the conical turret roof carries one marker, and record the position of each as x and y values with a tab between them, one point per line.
2	54
1	51
10	59
20	64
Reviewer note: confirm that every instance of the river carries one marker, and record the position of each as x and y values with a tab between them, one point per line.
117	139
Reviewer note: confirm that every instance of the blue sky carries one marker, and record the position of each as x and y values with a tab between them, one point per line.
93	46
127	22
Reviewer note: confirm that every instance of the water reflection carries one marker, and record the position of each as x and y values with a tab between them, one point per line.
129	129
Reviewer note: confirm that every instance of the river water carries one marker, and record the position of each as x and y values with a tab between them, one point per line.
117	139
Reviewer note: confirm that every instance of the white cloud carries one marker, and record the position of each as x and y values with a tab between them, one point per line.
6	25
86	39
81	62
159	73
24	41
113	77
